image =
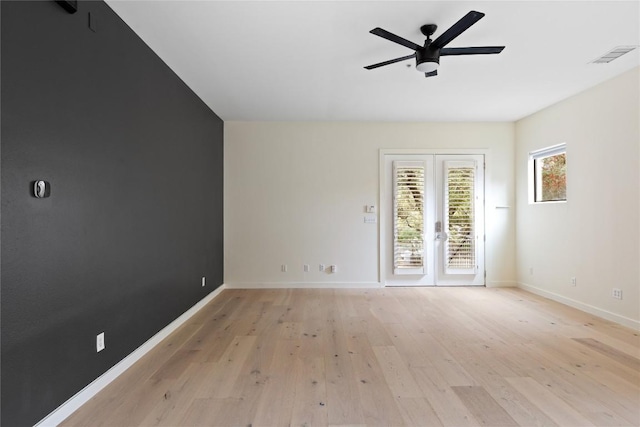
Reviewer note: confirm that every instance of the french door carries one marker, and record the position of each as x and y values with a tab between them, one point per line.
433	222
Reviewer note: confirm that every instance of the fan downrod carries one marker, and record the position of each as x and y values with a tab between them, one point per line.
428	29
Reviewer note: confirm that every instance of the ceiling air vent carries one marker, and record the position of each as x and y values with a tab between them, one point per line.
614	53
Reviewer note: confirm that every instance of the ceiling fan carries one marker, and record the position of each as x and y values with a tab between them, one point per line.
428	56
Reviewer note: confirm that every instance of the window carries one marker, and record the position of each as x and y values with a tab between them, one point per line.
548	174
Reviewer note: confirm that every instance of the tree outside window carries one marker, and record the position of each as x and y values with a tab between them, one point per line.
548	176
553	174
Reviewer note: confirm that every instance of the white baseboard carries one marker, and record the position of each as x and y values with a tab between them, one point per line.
502	284
338	285
596	311
81	397
303	285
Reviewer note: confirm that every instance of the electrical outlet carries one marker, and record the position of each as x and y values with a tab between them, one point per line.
306	268
283	268
334	268
100	342
321	268
573	281
203	281
616	293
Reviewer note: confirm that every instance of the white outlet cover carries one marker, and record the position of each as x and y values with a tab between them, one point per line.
100	342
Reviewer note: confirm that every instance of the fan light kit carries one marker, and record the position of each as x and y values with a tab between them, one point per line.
428	56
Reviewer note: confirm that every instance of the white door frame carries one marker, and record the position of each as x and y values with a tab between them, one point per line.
382	220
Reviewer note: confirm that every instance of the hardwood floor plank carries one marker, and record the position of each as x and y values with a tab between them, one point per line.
379	406
407	345
556	408
382	308
518	406
573	353
275	405
449	370
483	407
587	396
619	356
309	407
342	389
396	372
315	323
177	397
123	411
290	330
222	375
416	411
622	397
447	405
255	371
176	364
208	412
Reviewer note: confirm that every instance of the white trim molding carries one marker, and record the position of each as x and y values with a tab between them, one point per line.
304	285
80	398
502	284
622	320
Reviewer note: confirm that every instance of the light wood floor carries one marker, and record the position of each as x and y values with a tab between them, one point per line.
393	357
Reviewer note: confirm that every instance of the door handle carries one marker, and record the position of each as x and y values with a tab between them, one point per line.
440	235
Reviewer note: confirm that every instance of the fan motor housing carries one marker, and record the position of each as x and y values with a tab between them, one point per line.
427	55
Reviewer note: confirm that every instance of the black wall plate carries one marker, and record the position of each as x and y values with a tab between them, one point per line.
70	6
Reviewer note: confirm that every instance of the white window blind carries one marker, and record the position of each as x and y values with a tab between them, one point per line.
408	217
459	200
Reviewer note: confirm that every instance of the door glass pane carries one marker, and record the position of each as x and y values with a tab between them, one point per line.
408	224
460	254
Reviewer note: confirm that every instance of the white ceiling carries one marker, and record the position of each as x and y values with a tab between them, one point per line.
303	60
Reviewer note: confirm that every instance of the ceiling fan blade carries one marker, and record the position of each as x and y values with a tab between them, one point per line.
396	39
458	28
480	50
431	74
391	61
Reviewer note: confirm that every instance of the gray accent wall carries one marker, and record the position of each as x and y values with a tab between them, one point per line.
134	219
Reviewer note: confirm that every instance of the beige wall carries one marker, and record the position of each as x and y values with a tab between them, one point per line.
295	193
595	235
